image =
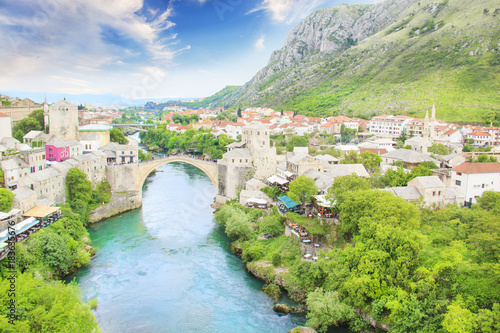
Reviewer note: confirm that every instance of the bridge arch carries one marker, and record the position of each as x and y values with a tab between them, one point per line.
208	167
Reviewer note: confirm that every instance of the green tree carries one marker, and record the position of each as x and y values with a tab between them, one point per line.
370	161
439	149
490	200
116	135
429	165
271	225
345	184
326	309
403	136
302	189
38	115
24	126
347	134
45	306
78	186
238	226
297	141
6	200
458	319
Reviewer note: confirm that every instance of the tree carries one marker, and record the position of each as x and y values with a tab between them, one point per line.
490	200
78	186
345	184
271	225
239	112
370	161
403	136
26	125
116	135
326	309
38	115
297	141
429	165
194	118
46	306
238	226
458	319
6	200
302	189
347	134
439	149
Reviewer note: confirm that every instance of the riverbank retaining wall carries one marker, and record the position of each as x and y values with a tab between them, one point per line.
120	202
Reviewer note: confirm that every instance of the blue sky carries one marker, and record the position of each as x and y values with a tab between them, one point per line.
142	48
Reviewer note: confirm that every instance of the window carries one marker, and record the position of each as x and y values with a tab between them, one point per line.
458	182
459	173
433	193
482	186
62	154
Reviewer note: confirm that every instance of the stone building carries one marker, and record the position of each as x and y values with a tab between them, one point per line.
253	157
63	119
120	154
24	199
102	132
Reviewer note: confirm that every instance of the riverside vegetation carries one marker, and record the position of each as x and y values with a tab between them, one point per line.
43	302
200	142
404	267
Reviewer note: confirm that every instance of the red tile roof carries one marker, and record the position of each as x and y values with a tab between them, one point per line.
468	167
450	132
3	114
480	133
378	151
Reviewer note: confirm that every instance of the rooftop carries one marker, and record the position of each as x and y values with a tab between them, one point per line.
467	167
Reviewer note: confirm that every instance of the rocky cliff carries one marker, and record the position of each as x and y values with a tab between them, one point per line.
399	56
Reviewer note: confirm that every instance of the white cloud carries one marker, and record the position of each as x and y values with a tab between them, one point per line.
288	10
259	44
87	40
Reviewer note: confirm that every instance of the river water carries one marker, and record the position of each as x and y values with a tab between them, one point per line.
166	267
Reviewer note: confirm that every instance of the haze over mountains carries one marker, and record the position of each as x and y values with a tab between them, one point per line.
399	56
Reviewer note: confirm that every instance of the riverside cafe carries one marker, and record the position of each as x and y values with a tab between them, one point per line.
36	218
288	204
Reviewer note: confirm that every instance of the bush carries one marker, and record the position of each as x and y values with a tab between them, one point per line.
276	259
272	290
271	225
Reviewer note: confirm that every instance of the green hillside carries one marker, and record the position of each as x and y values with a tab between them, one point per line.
444	53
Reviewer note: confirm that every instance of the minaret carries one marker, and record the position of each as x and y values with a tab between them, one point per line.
433	123
45	114
425	133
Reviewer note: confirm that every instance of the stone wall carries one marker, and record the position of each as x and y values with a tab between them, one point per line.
123	178
232	179
120	202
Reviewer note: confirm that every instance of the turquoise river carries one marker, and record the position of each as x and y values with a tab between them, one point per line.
166	267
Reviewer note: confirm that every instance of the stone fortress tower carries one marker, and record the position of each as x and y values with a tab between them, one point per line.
251	158
62	119
264	156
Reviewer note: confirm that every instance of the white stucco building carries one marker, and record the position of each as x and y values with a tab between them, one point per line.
473	179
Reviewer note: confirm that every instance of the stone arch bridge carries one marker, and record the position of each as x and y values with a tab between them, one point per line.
146	167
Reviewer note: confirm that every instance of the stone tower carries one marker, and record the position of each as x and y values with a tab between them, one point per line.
63	120
257	140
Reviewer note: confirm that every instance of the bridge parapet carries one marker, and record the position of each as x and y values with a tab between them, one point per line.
209	167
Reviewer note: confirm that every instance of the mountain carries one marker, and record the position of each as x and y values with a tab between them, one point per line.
95	99
399	57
